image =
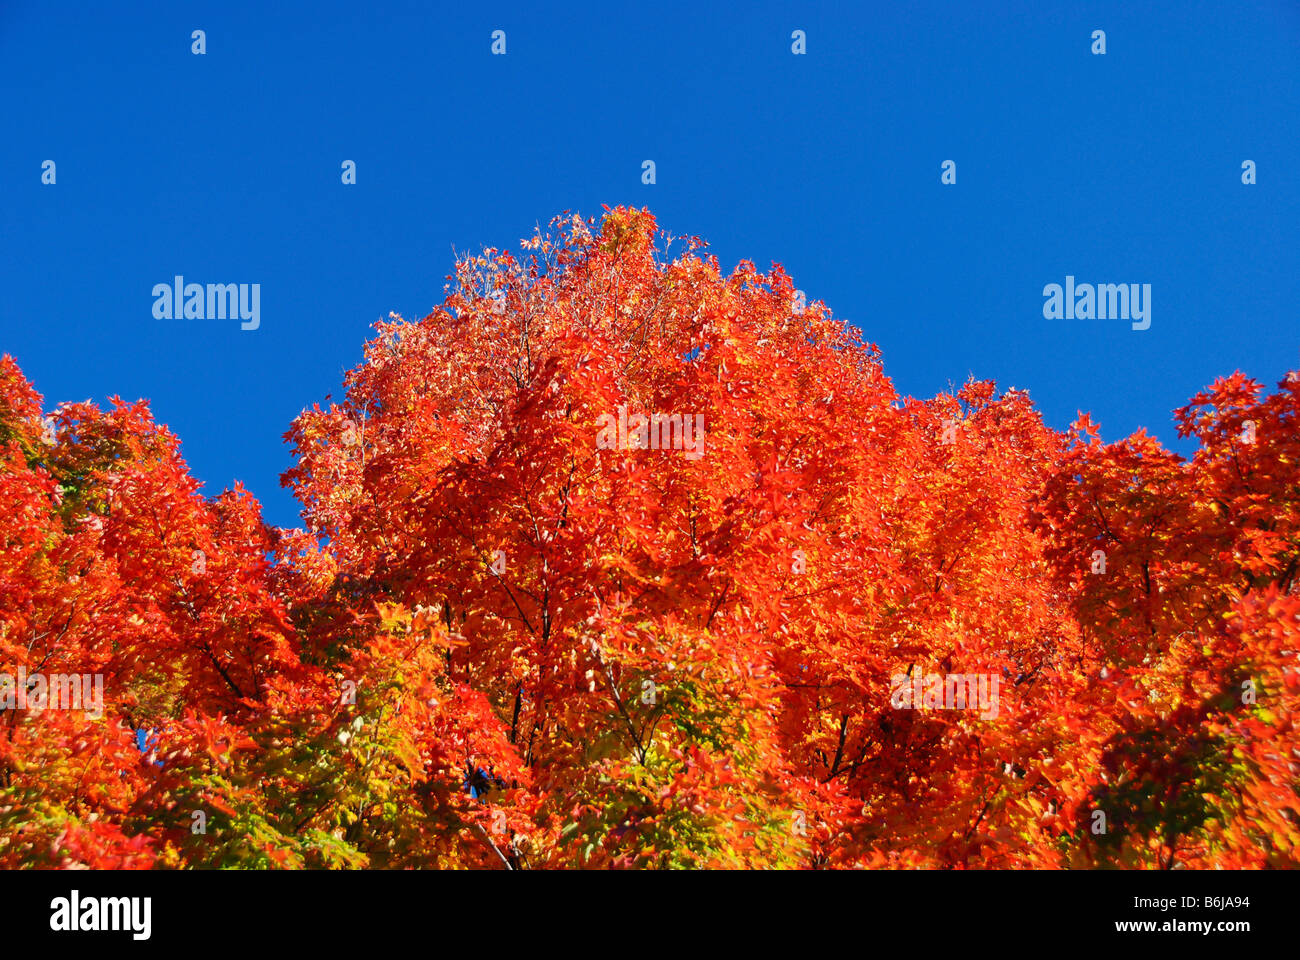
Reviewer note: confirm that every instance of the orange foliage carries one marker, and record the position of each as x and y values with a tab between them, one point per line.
514	634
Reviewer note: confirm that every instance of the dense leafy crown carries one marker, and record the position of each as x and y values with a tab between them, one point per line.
511	635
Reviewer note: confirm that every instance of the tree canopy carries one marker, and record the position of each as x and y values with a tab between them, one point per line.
513	634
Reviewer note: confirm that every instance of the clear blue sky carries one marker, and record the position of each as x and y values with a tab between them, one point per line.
226	168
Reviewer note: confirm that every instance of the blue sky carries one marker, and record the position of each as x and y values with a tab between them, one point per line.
225	168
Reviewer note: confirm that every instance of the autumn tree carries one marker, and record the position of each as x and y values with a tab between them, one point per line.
616	559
